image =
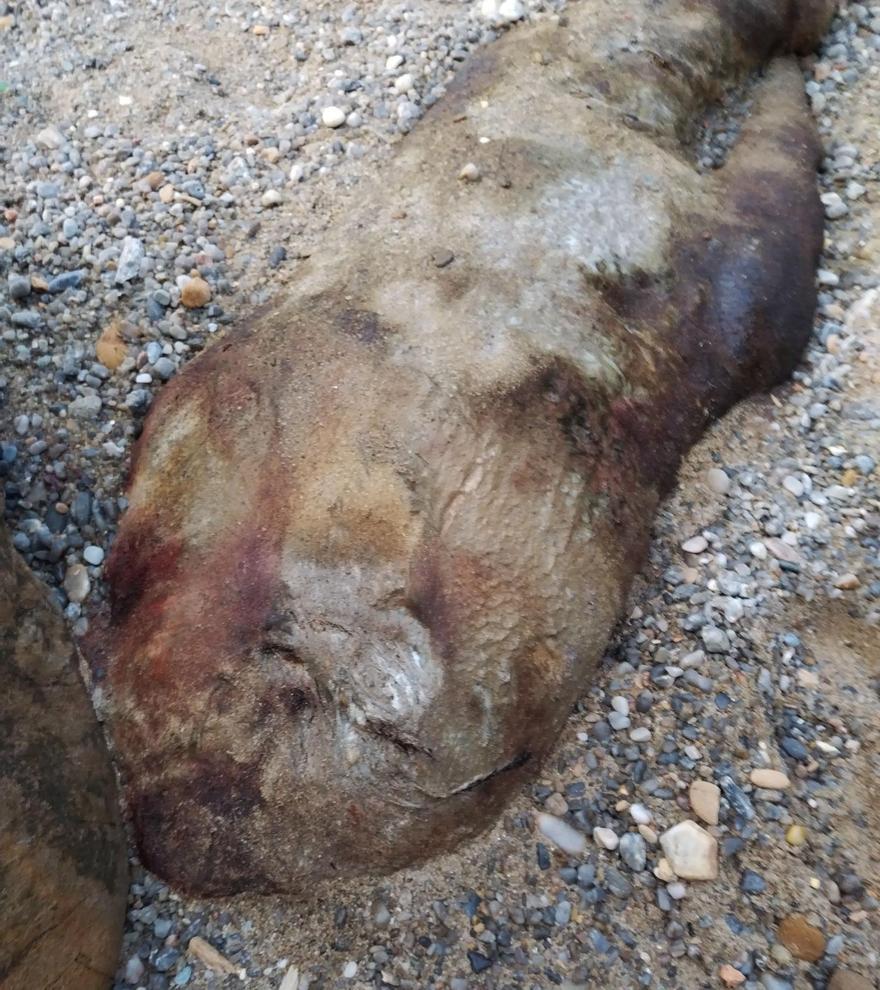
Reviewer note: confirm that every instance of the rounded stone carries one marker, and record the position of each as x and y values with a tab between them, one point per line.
332	117
718	481
705	798
769	780
802	939
195	293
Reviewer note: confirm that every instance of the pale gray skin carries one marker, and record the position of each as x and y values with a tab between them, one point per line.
378	539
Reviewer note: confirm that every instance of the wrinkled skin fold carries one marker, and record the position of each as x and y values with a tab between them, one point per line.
379	535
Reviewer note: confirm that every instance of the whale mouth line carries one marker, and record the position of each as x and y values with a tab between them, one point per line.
520	760
405	743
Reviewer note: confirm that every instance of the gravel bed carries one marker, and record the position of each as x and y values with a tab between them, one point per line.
166	166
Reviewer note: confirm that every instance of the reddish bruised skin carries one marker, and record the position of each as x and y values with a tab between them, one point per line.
377	542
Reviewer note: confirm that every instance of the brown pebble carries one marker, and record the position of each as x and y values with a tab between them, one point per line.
847	582
705	798
195	294
801	938
166	193
155	179
769	780
731	976
111	348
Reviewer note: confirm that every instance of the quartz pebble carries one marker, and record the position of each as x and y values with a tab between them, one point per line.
691	851
332	117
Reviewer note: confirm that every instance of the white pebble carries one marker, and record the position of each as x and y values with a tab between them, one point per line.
332	117
469	173
691	851
792	485
77	583
561	834
605	838
718	481
349	970
640	814
696	544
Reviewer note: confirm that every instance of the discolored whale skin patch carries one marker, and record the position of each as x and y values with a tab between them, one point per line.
379	536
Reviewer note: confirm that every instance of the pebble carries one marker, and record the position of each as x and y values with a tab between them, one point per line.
479	962
793	485
470	173
561	834
332	117
503	11
85	406
633	851
695	545
93	555
752	883
847	582
130	260
110	348
18	287
730	976
802	939
796	835
77	583
691	851
795	749
718	481
705	799
771	780
835	207
442	258
605	838
134	970
195	293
